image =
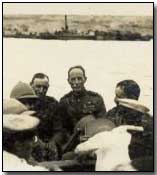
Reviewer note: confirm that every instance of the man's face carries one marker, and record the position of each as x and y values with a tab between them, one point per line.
40	86
76	79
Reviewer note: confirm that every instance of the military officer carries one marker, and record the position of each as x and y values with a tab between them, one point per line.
79	102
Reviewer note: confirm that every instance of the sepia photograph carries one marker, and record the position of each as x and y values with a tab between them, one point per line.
78	87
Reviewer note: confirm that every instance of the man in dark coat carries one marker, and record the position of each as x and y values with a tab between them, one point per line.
46	107
50	128
129	111
128	89
79	103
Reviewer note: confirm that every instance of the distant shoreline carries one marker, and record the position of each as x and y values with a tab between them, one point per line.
132	37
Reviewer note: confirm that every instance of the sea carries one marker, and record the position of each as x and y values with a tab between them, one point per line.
105	62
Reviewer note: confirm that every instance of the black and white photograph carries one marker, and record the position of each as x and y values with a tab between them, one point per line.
78	87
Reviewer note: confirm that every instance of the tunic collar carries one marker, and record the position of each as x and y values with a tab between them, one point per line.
80	94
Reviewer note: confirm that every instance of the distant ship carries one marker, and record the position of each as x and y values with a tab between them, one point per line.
66	34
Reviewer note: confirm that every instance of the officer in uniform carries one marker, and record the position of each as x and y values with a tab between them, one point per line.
129	111
80	102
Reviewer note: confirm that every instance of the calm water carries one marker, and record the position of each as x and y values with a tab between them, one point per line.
106	63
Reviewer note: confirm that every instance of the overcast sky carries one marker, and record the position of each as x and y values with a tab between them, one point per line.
144	9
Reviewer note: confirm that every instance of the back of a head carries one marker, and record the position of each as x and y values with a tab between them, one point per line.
130	89
22	90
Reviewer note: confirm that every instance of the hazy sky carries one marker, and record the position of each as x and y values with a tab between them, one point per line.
79	8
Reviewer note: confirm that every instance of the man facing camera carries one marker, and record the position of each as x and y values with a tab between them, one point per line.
40	84
79	103
46	108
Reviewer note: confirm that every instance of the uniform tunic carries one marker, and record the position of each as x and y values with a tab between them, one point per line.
74	106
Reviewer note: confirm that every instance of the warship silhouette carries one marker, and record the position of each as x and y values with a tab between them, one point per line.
67	34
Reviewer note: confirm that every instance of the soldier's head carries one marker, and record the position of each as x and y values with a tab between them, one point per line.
127	89
77	78
24	93
40	84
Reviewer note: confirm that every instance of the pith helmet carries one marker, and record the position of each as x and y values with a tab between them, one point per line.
22	90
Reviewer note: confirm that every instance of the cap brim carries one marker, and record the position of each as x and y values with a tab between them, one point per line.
28	97
133	104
